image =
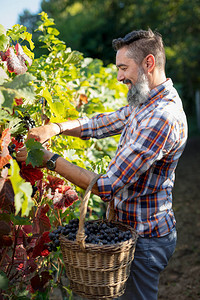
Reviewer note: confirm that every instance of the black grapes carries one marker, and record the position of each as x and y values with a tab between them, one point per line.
27	122
99	233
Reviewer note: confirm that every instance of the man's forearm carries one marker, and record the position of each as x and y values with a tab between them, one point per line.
77	175
71	128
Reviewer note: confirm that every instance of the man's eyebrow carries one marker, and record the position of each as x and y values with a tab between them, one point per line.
121	65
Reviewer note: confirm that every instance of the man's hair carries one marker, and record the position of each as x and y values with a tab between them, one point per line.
141	43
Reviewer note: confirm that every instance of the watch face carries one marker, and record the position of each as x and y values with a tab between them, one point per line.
51	164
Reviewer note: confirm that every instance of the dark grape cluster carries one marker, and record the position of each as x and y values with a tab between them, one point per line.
20	138
28	122
11	149
99	233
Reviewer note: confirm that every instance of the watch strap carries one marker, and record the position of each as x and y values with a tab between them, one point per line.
54	157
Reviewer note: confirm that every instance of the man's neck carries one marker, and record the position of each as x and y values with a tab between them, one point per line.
158	77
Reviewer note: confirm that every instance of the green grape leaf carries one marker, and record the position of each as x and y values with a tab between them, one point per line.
3	75
5	116
19	87
19	220
16	126
3	281
53	31
22	190
28	37
35	153
2	30
17	32
72	57
8	97
21	84
2	99
4	40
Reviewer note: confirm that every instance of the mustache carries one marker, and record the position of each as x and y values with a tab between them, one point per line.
125	81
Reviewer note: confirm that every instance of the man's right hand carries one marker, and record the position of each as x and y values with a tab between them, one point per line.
43	133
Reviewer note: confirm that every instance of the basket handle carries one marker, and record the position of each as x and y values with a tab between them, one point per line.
80	237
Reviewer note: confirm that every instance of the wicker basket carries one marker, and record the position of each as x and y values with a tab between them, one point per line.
97	271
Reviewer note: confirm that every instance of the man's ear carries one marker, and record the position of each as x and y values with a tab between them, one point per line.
149	63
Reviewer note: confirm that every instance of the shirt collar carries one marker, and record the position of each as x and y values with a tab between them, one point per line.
154	95
160	89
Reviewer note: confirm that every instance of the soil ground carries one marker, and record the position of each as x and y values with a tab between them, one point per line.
181	278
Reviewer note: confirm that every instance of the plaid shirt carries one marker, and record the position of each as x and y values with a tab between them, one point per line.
141	176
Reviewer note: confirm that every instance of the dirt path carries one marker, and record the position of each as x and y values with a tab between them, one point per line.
181	279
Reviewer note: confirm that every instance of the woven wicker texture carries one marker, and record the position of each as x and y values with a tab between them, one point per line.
97	271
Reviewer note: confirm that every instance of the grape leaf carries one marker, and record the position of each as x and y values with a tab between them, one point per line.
4	40
41	222
3	281
5	116
35	153
4	152
6	195
32	144
4	227
16	126
3	76
19	87
72	58
21	84
2	99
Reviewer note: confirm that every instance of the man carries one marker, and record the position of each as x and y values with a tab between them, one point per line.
140	177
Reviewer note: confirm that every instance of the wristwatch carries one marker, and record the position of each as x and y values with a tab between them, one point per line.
51	163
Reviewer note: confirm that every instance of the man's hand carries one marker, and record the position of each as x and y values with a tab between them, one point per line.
43	133
21	156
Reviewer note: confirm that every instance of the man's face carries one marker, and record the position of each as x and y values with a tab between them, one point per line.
134	76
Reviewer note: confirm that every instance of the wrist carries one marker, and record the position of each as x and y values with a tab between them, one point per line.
47	156
59	128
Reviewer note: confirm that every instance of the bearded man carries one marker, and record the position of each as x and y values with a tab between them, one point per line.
140	177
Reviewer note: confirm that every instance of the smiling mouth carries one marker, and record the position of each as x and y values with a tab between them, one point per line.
128	83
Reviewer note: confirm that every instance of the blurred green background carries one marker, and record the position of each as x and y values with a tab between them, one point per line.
89	26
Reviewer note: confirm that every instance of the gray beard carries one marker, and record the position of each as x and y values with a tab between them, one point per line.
139	92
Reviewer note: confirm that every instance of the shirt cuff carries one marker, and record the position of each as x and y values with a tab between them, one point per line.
105	188
85	130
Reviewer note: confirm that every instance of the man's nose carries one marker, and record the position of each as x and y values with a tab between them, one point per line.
120	76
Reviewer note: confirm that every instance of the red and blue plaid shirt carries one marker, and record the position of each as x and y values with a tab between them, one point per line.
141	176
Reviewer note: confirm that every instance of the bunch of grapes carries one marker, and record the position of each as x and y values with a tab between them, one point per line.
28	122
99	233
11	149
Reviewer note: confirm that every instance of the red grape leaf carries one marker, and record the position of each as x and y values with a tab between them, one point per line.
30	174
4	142
4	228
20	52
41	247
39	282
15	63
41	222
6	195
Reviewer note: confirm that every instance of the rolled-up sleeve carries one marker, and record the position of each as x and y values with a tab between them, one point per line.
104	125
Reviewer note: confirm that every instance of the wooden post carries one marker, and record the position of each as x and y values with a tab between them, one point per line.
197	101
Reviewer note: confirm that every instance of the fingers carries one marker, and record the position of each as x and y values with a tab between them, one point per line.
33	135
21	154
